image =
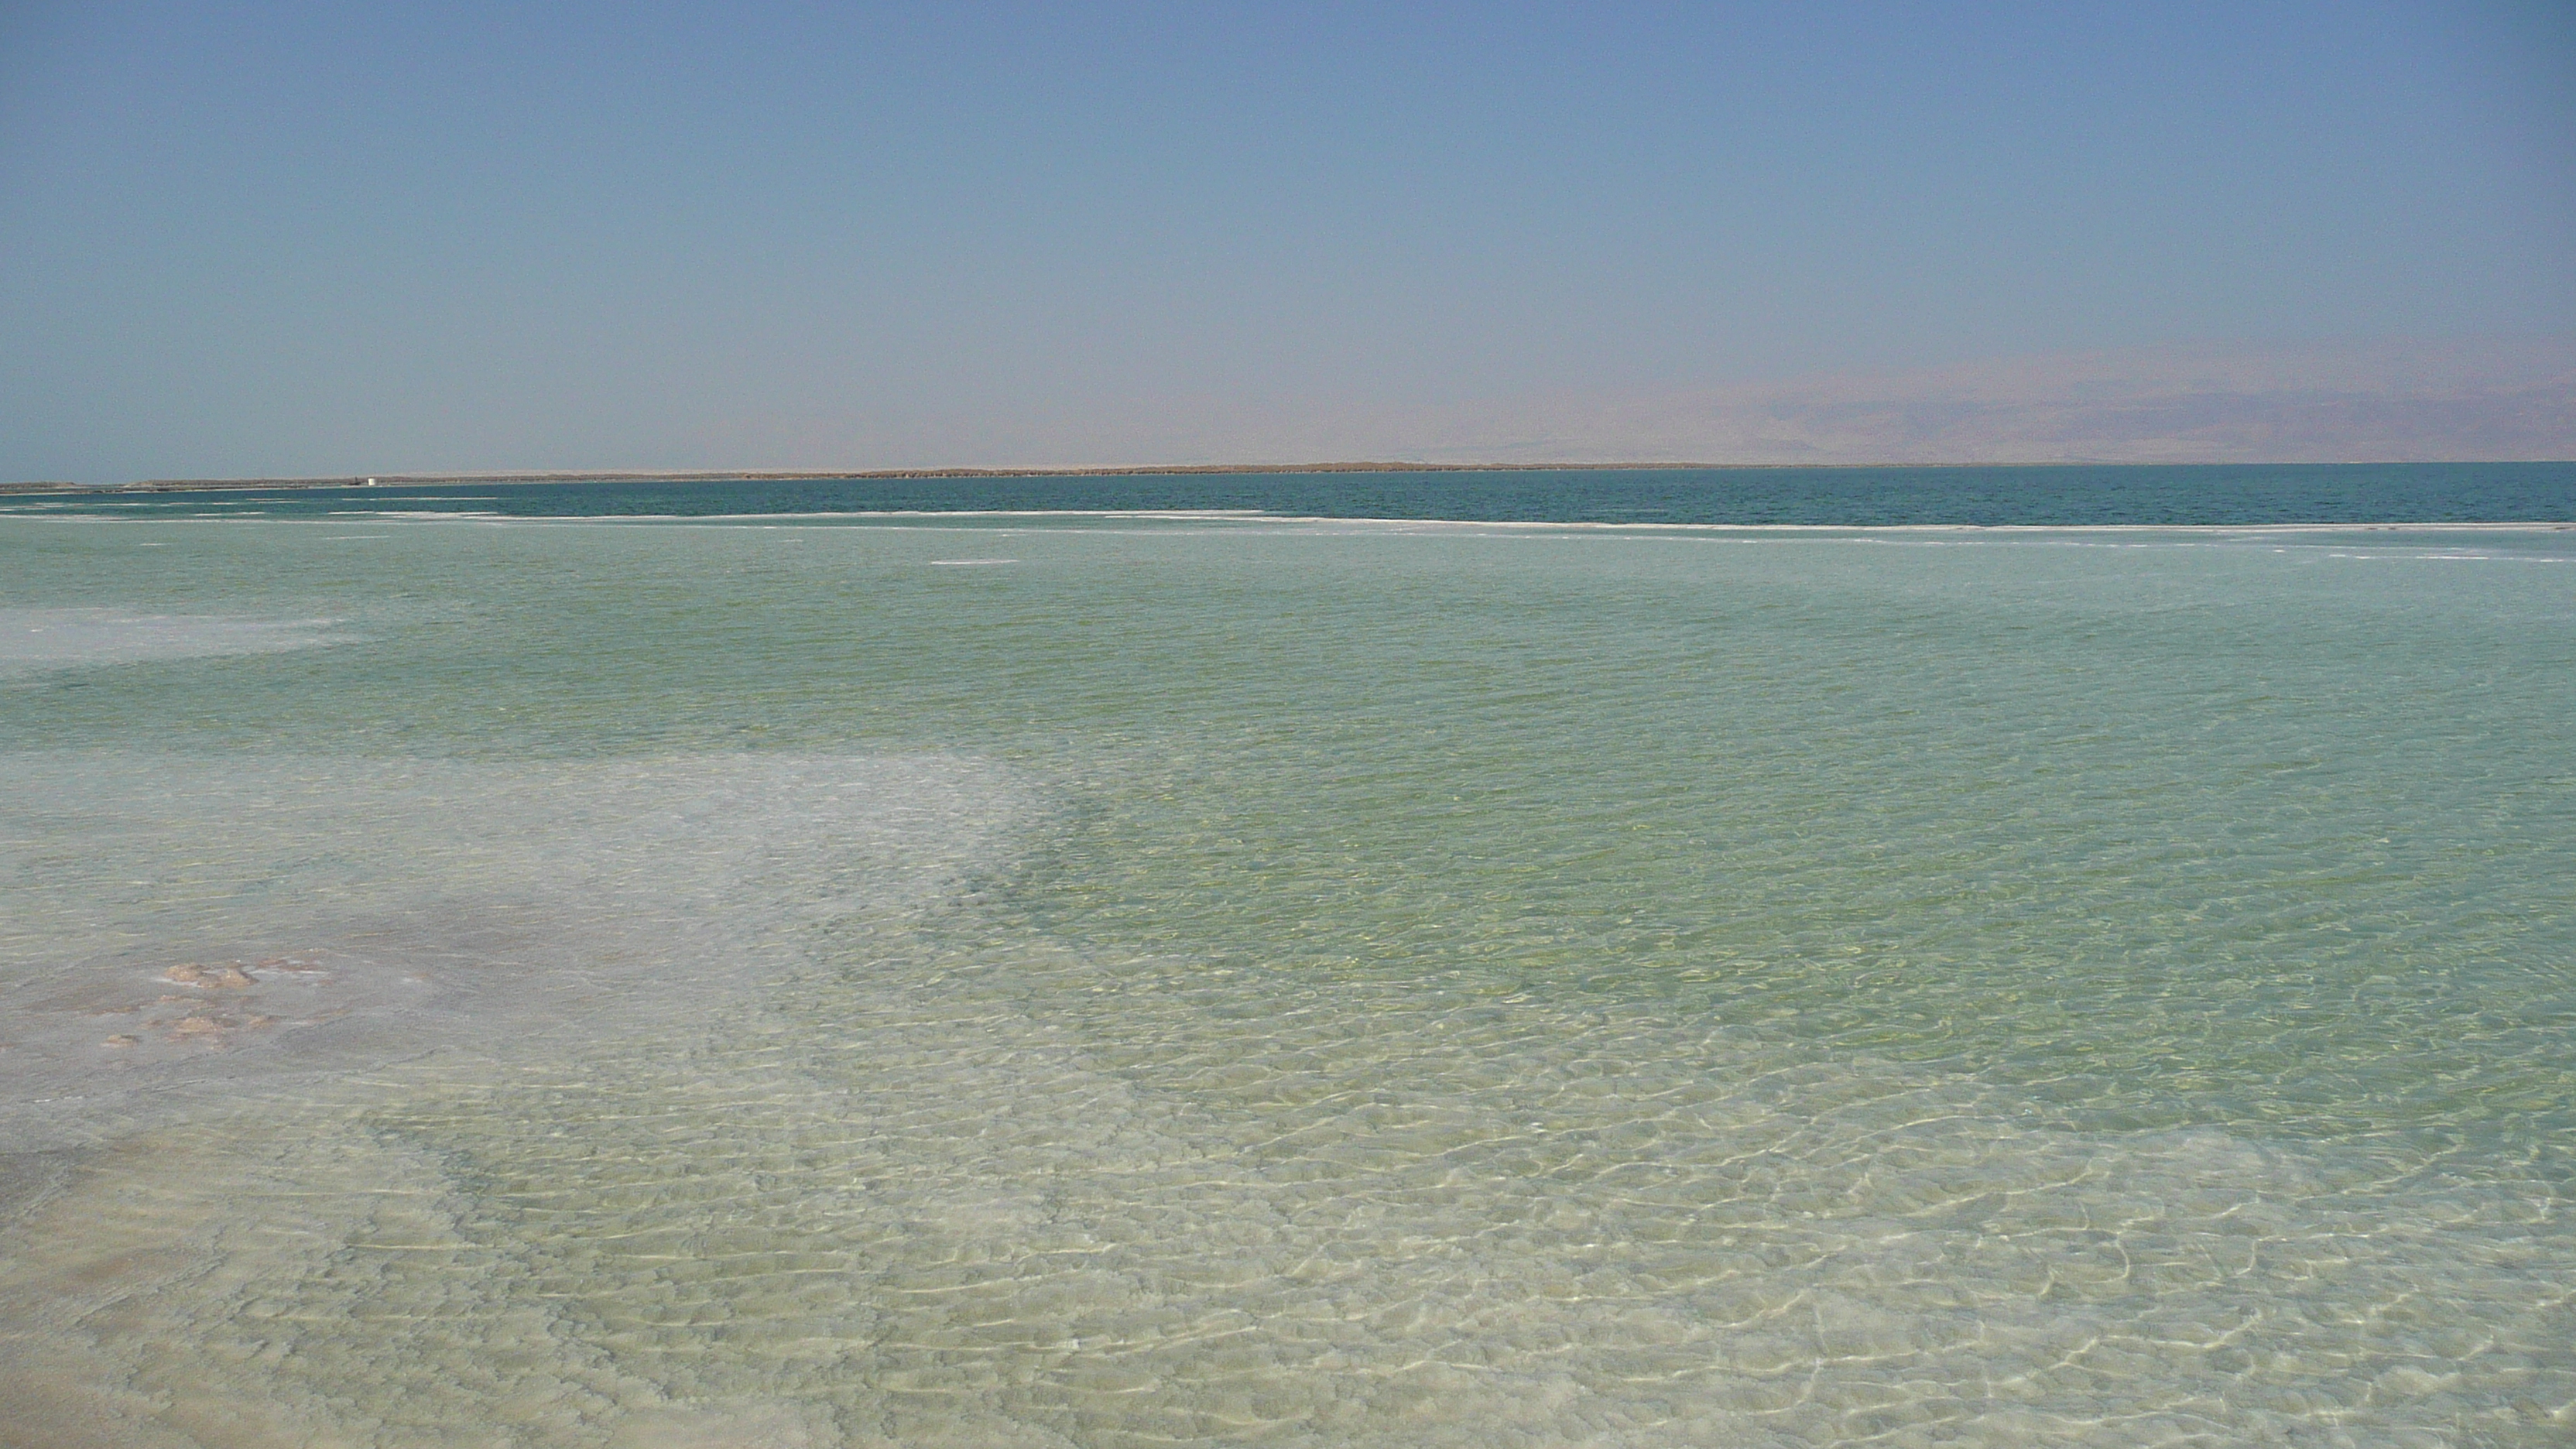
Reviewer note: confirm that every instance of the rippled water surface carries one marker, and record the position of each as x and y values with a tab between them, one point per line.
1235	981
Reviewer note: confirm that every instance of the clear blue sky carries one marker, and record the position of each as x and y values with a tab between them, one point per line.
263	237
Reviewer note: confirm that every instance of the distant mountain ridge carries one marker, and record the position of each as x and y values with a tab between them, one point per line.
2484	401
2387	401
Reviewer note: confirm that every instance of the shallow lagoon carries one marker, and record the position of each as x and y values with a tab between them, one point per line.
1236	980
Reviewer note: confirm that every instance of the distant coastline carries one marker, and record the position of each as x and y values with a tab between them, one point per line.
1922	493
1150	470
774	475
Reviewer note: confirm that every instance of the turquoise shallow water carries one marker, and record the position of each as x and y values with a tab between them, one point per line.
1113	980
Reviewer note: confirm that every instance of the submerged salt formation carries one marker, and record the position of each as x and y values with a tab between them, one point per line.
1238	982
35	642
399	908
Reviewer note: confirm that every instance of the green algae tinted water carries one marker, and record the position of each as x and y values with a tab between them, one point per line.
1114	981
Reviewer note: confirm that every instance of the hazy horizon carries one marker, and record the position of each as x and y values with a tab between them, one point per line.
290	241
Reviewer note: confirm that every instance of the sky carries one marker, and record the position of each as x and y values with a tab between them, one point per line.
270	239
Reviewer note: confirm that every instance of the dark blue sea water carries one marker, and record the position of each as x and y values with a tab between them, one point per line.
2072	496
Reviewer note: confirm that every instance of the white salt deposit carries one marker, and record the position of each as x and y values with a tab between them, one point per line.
37	641
181	923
